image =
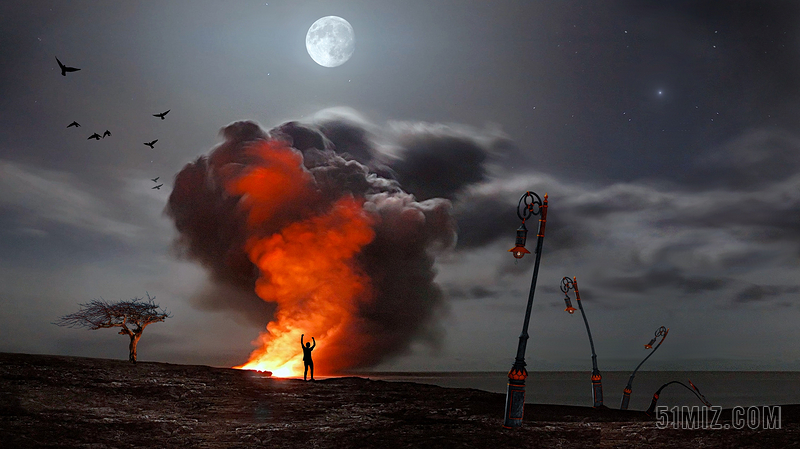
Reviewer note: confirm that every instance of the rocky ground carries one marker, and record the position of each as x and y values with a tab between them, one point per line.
54	401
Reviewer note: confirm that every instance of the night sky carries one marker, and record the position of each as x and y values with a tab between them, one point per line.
664	133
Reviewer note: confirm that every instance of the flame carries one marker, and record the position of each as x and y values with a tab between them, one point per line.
307	266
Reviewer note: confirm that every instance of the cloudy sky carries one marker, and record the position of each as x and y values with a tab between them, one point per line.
664	133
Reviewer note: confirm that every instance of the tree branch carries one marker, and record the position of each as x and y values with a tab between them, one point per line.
100	314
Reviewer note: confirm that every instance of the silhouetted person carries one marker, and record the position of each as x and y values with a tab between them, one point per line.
307	348
65	69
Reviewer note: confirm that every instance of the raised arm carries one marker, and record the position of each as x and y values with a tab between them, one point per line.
315	343
301	340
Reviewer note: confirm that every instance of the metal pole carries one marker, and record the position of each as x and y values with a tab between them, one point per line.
694	389
515	396
597	384
626	393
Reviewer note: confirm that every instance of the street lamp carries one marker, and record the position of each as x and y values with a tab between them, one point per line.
626	393
568	284
694	389
529	205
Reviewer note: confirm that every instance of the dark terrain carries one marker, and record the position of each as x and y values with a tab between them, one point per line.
55	401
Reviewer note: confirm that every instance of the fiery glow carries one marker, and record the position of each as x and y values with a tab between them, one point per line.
306	266
287	370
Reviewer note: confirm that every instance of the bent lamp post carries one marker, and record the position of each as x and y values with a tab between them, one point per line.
694	389
568	284
529	205
626	393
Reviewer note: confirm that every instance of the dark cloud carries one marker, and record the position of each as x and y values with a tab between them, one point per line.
438	161
479	292
619	198
753	161
475	292
655	278
749	188
758	293
302	137
484	218
348	133
636	238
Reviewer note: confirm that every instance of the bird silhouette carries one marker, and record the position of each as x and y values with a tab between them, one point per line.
65	69
158	187
107	133
75	124
94	136
150	144
155	179
162	114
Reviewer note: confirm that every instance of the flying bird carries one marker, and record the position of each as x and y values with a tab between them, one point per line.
75	124
107	133
158	187
162	114
155	179
150	144
94	136
65	69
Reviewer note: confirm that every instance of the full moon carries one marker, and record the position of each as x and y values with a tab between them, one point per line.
330	41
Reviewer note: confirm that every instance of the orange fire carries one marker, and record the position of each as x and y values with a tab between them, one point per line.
306	266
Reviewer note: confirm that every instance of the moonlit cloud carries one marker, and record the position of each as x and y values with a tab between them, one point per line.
636	238
40	196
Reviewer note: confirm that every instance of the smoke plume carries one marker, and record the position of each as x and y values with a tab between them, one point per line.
316	240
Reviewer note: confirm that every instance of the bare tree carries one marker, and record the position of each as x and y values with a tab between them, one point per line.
132	316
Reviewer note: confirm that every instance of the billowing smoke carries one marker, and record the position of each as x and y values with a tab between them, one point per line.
307	227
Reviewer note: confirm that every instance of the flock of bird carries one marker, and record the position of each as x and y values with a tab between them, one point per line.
66	69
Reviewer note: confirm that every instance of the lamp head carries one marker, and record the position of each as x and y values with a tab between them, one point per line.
519	250
569	308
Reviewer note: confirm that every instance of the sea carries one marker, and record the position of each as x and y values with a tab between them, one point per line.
721	388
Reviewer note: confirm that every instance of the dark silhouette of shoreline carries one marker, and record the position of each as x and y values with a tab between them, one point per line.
60	401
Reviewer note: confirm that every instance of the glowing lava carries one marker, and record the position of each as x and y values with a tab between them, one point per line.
306	266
